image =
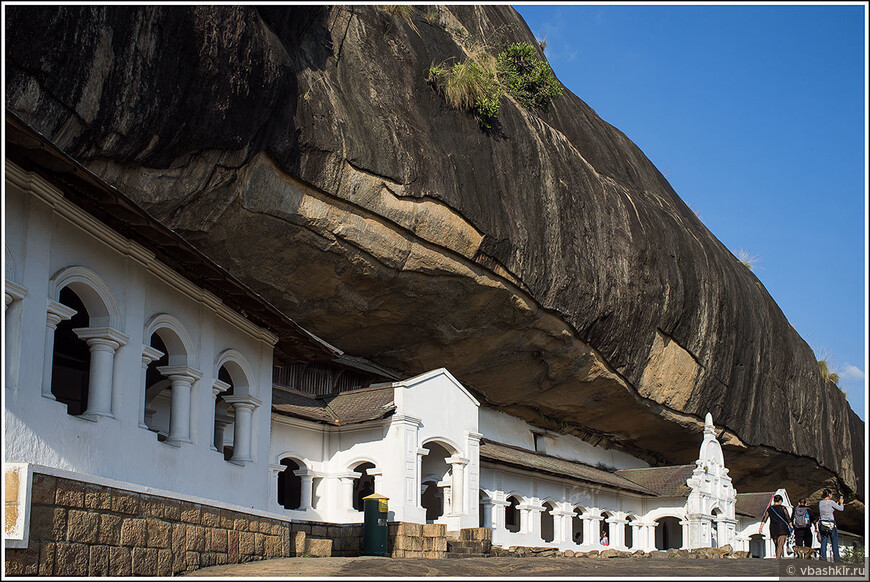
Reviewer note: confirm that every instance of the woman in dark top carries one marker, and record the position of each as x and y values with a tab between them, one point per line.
780	522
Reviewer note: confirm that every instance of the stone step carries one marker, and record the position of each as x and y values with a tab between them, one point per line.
449	555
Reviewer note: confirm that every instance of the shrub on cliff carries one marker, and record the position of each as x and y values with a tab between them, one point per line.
529	79
471	86
477	84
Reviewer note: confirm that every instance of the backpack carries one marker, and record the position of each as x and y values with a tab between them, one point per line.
801	517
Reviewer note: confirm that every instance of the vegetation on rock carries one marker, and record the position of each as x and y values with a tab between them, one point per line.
529	79
477	84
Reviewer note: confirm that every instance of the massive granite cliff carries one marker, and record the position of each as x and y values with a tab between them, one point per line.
547	264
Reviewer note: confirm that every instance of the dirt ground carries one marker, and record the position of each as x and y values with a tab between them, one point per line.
502	567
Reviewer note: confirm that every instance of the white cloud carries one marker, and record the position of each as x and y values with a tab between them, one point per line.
851	372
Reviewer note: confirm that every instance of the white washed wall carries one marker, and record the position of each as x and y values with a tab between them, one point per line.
48	234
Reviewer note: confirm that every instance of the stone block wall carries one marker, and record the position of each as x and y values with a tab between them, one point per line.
83	529
79	528
414	540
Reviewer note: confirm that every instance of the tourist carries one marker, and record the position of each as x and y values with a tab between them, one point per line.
578	538
780	523
827	525
604	541
804	524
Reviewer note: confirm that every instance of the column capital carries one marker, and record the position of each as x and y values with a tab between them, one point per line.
149	355
456	460
615	519
474	436
181	372
219	386
14	292
243	401
58	312
406	419
102	336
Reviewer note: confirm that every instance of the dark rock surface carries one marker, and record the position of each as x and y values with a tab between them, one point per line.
548	265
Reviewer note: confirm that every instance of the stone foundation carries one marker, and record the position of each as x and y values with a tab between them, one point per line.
83	529
415	540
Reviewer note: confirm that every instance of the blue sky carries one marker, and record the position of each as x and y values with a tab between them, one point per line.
756	116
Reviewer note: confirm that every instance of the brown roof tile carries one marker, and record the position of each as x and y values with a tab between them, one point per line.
525	459
669	481
753	504
350	407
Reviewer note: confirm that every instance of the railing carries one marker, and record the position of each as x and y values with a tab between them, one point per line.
318	379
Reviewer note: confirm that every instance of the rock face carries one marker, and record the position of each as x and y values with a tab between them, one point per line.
548	264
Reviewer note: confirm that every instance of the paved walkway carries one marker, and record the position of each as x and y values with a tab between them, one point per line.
503	567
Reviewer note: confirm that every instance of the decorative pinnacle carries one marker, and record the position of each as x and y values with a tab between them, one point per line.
708	425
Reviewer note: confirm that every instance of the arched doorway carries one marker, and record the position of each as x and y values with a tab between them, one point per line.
512	514
71	357
669	533
714	529
363	486
757	546
289	485
577	526
435	482
547	529
628	536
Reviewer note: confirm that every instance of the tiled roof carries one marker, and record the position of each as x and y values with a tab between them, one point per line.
350	407
753	504
525	459
667	481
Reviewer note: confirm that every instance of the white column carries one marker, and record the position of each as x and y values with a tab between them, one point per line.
218	387
305	498
273	486
561	525
149	355
616	537
530	519
421	452
378	474
488	515
346	488
57	312
182	379
243	408
457	484
684	524
12	348
591	529
221	422
102	341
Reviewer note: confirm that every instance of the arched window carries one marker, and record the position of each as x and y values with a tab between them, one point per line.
512	514
363	486
223	438
236	379
71	357
289	485
577	526
547	529
158	391
169	380
669	533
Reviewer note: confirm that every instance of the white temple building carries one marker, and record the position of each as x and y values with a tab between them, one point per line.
131	357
